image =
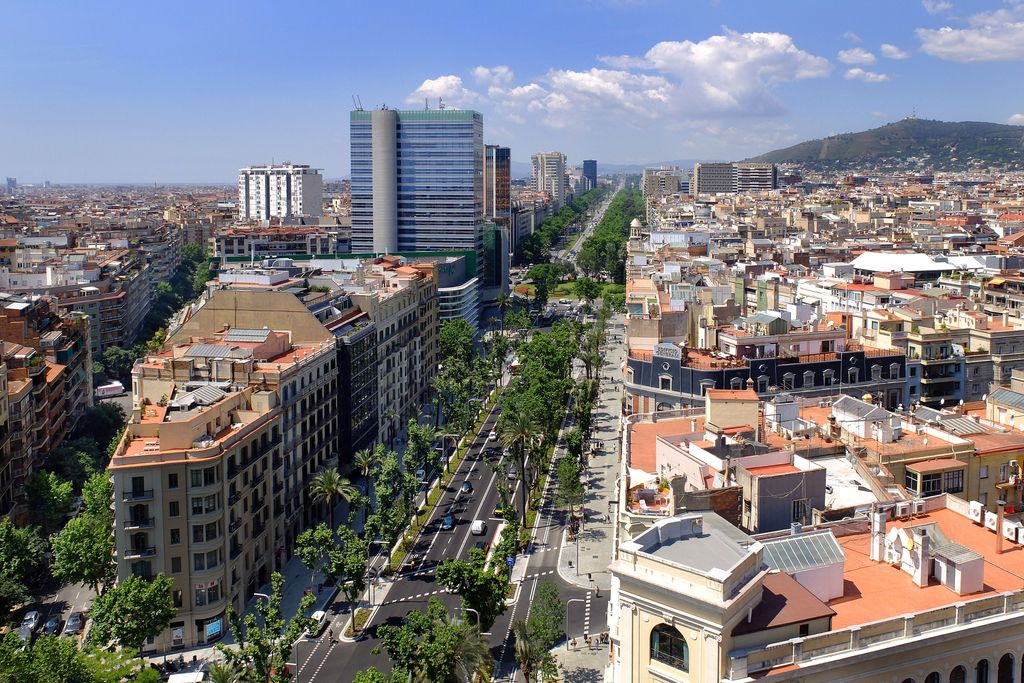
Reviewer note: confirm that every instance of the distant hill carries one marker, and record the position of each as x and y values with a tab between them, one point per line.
939	144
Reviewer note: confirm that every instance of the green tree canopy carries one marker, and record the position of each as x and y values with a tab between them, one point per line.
312	547
51	499
83	552
132	611
456	342
480	587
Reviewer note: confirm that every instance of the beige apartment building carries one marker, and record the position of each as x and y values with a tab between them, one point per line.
211	477
925	595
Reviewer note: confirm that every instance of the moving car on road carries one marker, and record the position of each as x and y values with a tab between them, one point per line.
479	528
319	618
448	523
466	487
492	435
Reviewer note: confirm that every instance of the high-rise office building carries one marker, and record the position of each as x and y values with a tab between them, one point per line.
279	191
549	174
734	177
12	184
417	180
497	184
755	177
590	172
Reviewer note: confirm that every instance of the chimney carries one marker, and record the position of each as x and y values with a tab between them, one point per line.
877	533
1006	317
922	546
1000	506
795	528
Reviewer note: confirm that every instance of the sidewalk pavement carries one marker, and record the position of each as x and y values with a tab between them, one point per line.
585	563
584	663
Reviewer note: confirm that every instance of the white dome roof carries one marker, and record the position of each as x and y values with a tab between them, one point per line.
636	223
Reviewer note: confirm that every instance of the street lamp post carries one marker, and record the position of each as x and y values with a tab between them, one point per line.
567	603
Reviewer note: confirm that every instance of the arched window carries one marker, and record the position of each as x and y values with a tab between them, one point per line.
908	680
809	378
853	375
669	647
828	377
981	672
933	677
787	380
894	371
736	383
876	374
958	675
1004	674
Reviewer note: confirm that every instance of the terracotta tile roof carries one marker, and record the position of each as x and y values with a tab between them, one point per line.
936	465
783	602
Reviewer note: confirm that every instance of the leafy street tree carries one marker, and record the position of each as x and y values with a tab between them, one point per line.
547	616
394	489
421	445
132	611
52	659
587	289
51	497
327	486
312	547
372	675
517	319
347	565
97	493
480	587
263	638
118	362
434	647
574	443
83	552
570	487
456	342
21	551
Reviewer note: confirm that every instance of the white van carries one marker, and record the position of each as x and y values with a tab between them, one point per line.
479	528
114	388
319	618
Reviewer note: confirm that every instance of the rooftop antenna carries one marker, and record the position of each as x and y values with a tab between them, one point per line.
356	103
426	104
440	104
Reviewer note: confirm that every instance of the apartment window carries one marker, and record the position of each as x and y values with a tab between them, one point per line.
828	377
809	378
913	391
1003	471
669	647
805	630
894	370
913	371
977	371
801	510
762	384
931	484
665	383
983	472
975	388
172	509
876	372
175	565
953	481
736	383
177	599
172	480
202	505
910	481
175	536
853	375
983	498
787	380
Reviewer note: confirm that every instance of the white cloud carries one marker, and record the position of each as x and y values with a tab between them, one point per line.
447	88
995	36
858	74
734	73
1016	119
893	52
493	75
851	37
936	6
856	55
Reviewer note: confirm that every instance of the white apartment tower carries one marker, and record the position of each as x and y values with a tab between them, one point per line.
279	191
549	174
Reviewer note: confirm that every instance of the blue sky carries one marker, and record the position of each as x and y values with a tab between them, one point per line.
191	91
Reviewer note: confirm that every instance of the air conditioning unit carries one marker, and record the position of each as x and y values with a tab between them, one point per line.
903	509
991	520
975	511
918	507
1011	529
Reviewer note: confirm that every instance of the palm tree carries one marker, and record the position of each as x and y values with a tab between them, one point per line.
503	302
327	485
222	672
517	431
364	461
472	655
528	651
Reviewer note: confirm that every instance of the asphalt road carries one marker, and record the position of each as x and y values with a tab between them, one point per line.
321	661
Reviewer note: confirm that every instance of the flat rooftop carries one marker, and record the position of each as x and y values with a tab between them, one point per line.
848	489
871	587
643	437
709	545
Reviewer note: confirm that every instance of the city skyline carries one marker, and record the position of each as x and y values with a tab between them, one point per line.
152	96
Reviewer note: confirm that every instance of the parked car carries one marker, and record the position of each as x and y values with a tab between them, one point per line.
75	625
52	626
447	523
31	621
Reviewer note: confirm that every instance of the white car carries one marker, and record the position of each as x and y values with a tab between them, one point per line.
492	435
319	618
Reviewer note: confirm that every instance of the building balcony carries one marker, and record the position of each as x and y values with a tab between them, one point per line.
146	523
234	526
234	498
258	529
939	379
258	479
944	360
138	553
259	504
235	552
133	496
